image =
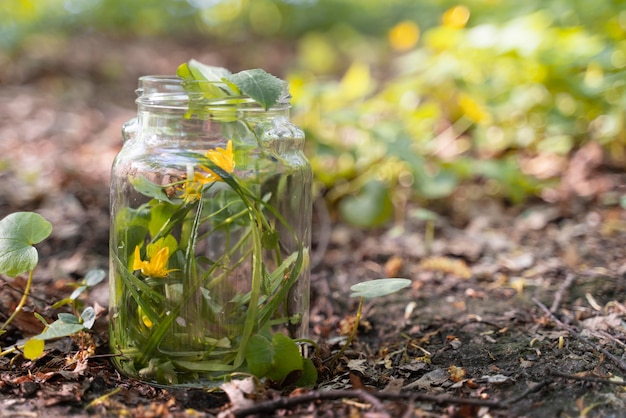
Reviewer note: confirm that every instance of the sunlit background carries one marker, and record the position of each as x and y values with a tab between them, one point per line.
402	100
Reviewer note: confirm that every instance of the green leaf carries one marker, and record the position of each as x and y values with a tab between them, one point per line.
89	317
274	359
33	349
18	233
259	85
371	207
378	288
270	239
196	71
309	374
148	188
68	318
94	276
259	355
59	329
437	186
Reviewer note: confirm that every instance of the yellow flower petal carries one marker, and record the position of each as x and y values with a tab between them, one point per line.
137	259
223	158
157	266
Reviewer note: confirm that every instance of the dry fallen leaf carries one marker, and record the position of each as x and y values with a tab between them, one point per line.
447	265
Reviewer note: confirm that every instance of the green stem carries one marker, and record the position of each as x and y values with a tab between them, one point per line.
257	281
351	337
22	302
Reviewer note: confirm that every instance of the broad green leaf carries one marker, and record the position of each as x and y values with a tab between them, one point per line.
33	349
69	318
437	186
378	288
309	374
371	207
148	188
274	359
59	329
259	85
259	355
197	71
18	233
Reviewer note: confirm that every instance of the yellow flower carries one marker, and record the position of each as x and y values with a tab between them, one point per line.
223	158
192	190
456	17
404	35
156	266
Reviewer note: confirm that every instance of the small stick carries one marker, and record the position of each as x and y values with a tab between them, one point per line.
580	338
528	391
372	398
558	296
592	379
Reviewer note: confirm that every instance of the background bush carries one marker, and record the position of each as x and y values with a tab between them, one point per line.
404	100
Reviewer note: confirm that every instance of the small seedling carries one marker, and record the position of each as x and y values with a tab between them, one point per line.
19	231
369	290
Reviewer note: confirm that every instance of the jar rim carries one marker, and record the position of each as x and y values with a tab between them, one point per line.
171	91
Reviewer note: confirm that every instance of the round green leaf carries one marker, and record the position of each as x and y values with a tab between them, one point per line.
19	231
371	207
274	359
309	374
378	288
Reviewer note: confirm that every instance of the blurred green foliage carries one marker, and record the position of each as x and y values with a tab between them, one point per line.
408	100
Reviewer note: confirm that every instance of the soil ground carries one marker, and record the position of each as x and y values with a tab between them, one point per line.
512	311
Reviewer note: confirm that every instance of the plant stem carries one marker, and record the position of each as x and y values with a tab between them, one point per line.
352	335
20	305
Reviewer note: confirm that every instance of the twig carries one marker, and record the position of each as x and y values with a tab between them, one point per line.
591	379
528	391
372	398
579	337
558	296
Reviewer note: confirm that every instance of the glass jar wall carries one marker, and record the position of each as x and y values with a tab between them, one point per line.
210	233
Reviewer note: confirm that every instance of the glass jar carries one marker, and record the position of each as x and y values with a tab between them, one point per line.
210	233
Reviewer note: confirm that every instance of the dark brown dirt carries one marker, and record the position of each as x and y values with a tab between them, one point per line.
512	311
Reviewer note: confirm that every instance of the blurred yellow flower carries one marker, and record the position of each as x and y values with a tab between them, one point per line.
404	35
456	17
156	266
473	110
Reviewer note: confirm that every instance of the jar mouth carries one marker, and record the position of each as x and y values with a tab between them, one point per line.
172	92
